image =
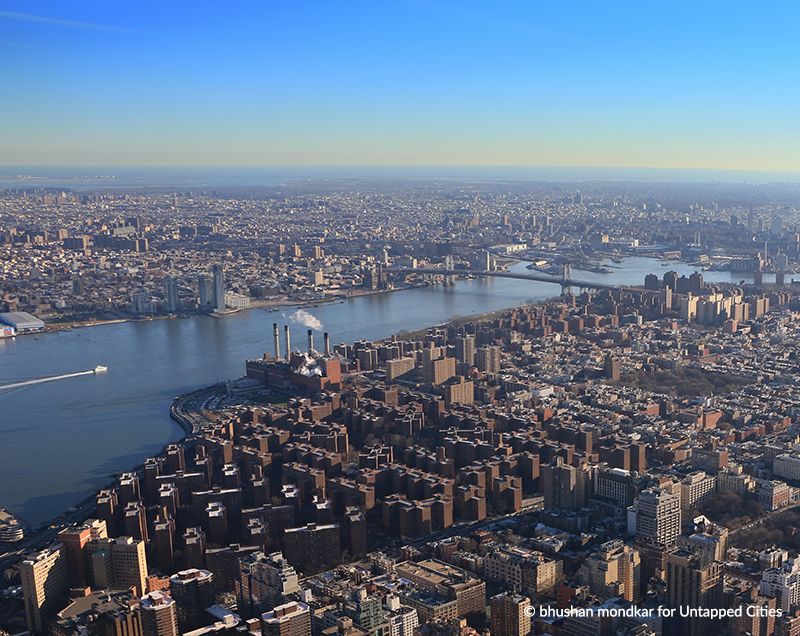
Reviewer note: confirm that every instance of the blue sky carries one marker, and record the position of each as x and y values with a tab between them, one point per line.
401	82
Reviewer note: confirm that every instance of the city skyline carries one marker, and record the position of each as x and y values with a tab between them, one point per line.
362	407
400	84
401	318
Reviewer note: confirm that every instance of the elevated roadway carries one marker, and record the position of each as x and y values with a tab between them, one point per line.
535	277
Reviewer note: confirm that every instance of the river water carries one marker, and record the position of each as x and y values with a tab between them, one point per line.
62	440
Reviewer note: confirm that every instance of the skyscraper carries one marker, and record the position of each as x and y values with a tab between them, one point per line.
465	349
265	581
192	592
614	570
159	614
45	585
171	294
693	581
658	516
436	367
564	486
129	488
612	368
118	563
74	540
107	505
218	295
290	619
135	521
509	616
313	547
488	359
203	295
163	542
783	583
194	547
697	489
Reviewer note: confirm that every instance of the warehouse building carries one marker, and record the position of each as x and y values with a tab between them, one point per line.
22	322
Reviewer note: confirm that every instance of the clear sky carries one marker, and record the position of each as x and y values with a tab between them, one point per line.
401	82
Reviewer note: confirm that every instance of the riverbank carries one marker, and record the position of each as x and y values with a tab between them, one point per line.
269	304
460	320
185	409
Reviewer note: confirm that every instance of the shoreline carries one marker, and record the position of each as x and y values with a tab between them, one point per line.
269	305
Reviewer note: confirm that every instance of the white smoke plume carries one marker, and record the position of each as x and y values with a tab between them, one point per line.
307	319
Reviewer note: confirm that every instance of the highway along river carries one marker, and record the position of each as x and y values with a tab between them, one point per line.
61	440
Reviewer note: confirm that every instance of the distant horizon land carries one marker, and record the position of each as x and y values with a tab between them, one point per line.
11	175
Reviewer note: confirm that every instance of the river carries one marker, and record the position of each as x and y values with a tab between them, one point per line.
62	440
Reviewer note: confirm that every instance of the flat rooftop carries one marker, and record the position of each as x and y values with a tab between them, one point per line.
21	320
433	571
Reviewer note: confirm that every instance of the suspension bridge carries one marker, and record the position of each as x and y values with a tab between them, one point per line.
565	280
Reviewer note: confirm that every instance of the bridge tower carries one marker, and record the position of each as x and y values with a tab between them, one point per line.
481	260
449	264
566	276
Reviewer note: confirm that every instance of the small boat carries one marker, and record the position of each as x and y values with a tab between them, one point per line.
100	369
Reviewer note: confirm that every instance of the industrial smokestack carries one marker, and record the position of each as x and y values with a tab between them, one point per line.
276	338
310	341
288	337
327	340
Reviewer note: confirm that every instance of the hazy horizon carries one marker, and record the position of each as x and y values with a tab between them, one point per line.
250	175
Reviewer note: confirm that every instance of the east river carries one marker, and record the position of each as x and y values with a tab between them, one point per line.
62	440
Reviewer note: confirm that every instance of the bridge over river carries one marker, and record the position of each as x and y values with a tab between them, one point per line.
565	281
